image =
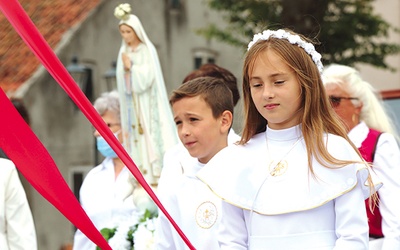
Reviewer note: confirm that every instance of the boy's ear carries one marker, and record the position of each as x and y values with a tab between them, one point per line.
226	120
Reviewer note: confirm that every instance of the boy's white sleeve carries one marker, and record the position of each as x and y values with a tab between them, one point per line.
163	234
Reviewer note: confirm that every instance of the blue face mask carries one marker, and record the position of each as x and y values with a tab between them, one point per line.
104	148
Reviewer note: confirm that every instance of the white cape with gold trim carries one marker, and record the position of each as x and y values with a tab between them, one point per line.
243	169
292	210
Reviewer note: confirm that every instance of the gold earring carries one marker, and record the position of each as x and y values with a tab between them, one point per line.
353	118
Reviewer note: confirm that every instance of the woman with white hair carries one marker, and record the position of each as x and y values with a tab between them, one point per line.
371	130
146	115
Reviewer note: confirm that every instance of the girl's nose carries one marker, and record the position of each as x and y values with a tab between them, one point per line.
268	92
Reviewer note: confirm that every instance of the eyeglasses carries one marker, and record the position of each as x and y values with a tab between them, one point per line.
112	124
335	100
109	124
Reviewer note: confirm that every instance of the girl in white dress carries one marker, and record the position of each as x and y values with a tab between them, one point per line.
295	181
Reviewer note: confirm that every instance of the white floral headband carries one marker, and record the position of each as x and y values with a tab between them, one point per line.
293	39
123	11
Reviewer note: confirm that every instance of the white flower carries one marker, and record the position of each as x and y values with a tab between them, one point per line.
120	240
126	7
144	236
151	224
279	34
316	56
122	11
293	39
309	48
139	228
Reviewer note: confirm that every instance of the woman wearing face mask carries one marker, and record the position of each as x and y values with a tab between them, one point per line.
106	192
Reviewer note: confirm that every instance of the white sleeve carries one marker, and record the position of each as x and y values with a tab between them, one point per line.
387	167
232	231
163	235
166	237
167	172
351	220
21	232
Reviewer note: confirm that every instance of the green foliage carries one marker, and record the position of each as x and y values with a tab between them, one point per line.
345	31
148	215
107	233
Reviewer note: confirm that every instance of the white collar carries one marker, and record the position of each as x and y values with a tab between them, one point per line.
359	133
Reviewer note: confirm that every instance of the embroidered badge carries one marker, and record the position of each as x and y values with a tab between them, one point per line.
206	215
278	168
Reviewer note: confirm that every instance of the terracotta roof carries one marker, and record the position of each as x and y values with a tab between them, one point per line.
52	18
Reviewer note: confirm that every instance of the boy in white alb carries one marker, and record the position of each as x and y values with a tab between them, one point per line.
203	110
171	166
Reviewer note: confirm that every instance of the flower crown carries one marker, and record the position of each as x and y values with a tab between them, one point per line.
293	39
123	11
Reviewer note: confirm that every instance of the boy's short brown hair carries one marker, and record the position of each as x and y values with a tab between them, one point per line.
216	94
213	70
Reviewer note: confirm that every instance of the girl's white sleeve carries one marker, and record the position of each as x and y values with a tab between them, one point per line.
351	220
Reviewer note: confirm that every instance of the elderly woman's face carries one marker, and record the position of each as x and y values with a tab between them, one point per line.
343	106
112	121
128	34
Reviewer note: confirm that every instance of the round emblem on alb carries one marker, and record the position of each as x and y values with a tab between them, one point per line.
206	214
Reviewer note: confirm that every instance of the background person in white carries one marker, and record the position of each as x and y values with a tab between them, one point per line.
17	229
361	109
146	116
106	193
203	111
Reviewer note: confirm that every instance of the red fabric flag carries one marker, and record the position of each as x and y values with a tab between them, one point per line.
21	22
32	159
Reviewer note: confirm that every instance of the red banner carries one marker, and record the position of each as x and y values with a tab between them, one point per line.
32	159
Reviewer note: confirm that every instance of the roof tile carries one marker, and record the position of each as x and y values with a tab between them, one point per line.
53	18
